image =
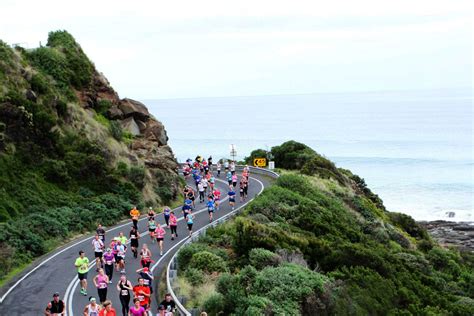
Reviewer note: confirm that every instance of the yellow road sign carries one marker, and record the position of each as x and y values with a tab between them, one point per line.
260	162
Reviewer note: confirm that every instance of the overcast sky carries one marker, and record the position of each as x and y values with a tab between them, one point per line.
180	49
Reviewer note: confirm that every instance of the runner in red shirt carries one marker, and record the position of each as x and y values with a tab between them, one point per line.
142	292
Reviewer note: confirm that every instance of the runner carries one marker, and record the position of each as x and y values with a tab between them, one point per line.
231	195
123	239
82	265
108	310
190	221
229	177
135	214
226	165
234	180
218	169
92	309
160	235
134	236
109	259
151	213
217	197
168	303
201	191
205	183
173	225
120	257
56	307
166	214
186	207
98	245
145	255
210	208
209	162
137	309
151	229
124	287
246	187
241	191
191	196
147	277
212	182
232	167
142	293
101	232
101	282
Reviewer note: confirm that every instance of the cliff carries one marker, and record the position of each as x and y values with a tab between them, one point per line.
72	152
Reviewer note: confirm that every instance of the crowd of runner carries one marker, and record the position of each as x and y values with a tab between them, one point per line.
110	255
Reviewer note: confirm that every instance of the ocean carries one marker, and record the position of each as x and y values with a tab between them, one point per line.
413	148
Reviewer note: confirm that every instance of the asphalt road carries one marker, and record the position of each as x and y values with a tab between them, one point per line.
29	293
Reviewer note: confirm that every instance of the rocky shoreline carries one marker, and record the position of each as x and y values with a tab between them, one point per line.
460	234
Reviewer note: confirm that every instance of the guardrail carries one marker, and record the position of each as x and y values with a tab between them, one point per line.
172	268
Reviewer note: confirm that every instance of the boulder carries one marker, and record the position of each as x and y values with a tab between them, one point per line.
134	108
141	125
155	131
115	113
130	125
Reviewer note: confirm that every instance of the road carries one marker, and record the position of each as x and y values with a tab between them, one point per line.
56	272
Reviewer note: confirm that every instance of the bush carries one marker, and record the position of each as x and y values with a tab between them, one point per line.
292	155
215	304
116	130
208	262
408	224
194	276
165	193
55	171
136	175
261	258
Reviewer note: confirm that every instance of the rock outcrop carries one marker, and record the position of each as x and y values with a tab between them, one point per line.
460	234
149	145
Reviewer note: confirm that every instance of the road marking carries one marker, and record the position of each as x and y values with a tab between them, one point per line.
69	294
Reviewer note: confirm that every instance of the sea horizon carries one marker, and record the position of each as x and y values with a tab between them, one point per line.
413	147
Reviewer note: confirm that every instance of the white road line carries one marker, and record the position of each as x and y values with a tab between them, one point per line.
69	294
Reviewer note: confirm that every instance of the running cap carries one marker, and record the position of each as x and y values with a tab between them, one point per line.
56	294
92	299
108	249
150	208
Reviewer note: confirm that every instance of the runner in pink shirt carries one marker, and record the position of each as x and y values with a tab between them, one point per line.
160	235
173	225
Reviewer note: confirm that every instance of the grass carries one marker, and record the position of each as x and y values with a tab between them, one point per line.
10	275
196	295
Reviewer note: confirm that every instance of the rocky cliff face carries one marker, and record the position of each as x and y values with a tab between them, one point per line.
459	234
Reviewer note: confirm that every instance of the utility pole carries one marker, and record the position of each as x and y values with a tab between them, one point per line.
233	151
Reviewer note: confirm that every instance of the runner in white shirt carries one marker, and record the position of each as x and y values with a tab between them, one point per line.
98	251
232	167
201	191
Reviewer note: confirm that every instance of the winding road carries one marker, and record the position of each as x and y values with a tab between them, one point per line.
29	293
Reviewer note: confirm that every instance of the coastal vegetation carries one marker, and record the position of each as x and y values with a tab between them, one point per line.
319	242
63	158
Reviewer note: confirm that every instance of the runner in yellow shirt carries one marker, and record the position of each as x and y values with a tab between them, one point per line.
82	265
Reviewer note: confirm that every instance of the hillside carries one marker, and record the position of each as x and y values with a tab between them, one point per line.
319	242
72	153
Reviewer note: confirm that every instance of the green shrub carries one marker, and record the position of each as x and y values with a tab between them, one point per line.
116	130
102	106
408	224
186	253
215	304
292	155
208	262
55	171
136	175
194	276
261	258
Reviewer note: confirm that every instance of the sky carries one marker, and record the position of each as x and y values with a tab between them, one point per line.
187	49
